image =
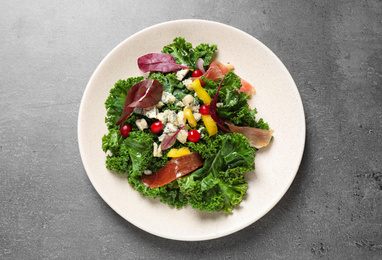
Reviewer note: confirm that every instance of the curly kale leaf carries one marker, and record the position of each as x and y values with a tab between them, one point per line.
139	147
220	184
168	81
180	50
204	51
172	85
183	52
119	160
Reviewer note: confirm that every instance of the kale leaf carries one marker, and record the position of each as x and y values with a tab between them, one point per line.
220	184
183	52
139	147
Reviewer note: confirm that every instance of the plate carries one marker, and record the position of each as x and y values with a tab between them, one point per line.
277	101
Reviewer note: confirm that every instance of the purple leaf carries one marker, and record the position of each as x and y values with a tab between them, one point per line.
220	121
159	62
144	94
169	140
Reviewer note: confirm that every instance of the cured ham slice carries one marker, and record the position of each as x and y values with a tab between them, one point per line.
217	70
258	138
246	87
173	169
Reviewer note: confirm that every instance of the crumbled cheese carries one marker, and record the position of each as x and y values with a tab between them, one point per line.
219	104
147	172
230	66
197	116
180	104
171	116
182	136
188	100
168	98
181	74
157	151
160	138
170	128
195	108
162	117
141	124
151	112
159	105
181	119
188	84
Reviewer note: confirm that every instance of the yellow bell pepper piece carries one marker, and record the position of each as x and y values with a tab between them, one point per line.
200	92
178	152
189	116
210	124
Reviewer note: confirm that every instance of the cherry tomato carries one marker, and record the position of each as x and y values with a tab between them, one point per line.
204	109
156	127
125	130
193	136
197	73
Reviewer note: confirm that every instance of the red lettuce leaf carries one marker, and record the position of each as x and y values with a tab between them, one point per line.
169	140
159	62
220	121
144	94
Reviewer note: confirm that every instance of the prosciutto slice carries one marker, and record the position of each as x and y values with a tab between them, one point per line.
217	70
172	170
258	138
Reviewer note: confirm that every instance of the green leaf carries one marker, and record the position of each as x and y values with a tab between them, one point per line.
220	183
183	52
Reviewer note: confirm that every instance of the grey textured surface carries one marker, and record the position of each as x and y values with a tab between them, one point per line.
49	209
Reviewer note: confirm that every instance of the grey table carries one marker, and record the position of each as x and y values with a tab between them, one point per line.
50	210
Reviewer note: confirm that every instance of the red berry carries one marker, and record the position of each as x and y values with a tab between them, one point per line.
197	73
125	130
156	127
204	110
193	136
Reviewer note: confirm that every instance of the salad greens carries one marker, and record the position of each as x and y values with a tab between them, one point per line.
183	52
219	184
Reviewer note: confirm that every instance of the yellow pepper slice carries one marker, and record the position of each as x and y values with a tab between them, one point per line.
200	92
210	124
178	152
189	116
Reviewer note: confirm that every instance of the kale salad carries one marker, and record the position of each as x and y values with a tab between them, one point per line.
185	133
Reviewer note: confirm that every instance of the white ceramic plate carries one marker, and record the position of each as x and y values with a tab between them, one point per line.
277	100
